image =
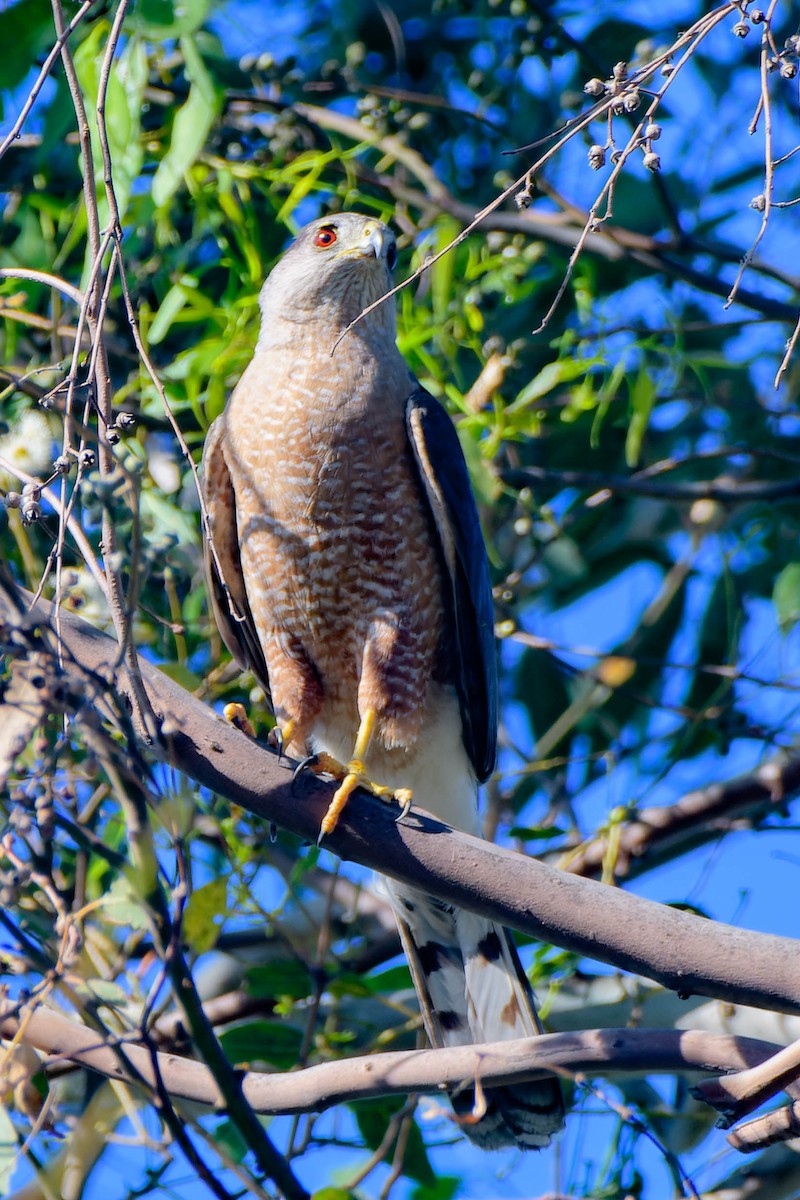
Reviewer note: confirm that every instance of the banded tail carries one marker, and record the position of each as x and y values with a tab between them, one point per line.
472	988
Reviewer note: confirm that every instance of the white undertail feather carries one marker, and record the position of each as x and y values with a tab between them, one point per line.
466	969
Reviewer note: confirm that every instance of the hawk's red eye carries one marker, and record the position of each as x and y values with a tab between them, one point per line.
325	236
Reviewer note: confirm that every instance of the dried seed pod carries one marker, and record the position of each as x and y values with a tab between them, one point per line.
112	435
594	87
788	70
30	511
31	491
13	499
741	29
652	131
757	16
620	72
126	420
524	197
759	203
652	161
667	69
631	100
62	465
87	459
597	157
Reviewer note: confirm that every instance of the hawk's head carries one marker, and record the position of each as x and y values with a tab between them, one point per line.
335	267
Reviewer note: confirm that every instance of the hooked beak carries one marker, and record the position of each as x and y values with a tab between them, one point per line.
374	242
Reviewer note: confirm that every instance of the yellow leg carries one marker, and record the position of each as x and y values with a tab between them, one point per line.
355	776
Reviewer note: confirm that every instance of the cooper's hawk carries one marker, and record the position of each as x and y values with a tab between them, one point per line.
346	532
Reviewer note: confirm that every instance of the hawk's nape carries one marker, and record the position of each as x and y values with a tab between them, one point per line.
347	537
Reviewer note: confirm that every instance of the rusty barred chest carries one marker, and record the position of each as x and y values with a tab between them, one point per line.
338	556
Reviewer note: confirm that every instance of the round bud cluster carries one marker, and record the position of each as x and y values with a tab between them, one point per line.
29	507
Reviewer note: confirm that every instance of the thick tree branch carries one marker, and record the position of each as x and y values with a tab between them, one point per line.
684	952
316	1088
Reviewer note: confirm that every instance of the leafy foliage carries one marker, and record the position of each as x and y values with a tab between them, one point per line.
636	469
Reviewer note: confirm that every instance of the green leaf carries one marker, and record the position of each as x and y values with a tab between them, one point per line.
564	370
231	1141
542	834
643	397
272	1042
190	127
334	1193
122	906
394	979
123	106
26	33
373	1117
163	19
786	597
290	978
205	911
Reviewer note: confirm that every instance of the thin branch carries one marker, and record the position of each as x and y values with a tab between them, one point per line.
725	490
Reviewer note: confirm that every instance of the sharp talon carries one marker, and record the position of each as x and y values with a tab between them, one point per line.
282	737
404	798
309	761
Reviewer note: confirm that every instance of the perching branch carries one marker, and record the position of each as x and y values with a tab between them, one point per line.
686	953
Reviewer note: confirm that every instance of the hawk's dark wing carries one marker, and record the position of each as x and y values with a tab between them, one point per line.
237	628
468	592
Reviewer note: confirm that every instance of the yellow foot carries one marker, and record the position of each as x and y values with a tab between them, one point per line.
237	715
352	776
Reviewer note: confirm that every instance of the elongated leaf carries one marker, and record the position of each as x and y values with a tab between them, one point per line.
190	128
